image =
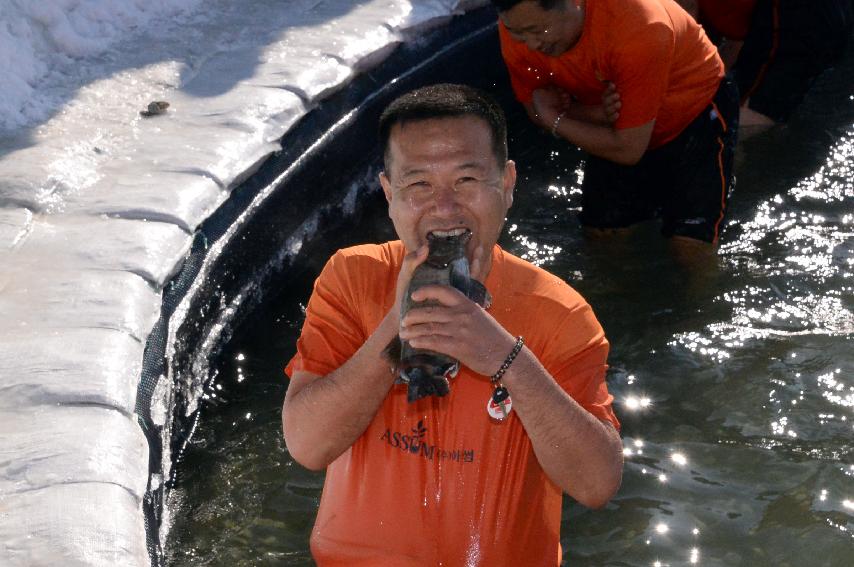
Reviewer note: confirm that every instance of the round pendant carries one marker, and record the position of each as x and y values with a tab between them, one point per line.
499	410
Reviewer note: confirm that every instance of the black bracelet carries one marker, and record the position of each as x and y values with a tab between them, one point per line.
520	342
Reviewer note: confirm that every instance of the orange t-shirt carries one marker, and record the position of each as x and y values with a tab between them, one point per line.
730	18
664	66
437	481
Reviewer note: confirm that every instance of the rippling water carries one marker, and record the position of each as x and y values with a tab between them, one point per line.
734	383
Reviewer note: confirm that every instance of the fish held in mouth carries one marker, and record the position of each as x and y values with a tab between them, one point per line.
427	372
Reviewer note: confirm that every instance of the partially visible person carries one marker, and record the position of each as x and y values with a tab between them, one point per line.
449	480
775	48
665	147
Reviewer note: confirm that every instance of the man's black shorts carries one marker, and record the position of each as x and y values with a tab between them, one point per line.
789	43
686	181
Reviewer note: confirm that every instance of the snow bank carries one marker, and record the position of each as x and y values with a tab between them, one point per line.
41	40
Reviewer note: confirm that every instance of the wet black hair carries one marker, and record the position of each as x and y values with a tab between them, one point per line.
445	100
504	5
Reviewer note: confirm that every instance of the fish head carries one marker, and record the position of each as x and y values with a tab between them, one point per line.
447	246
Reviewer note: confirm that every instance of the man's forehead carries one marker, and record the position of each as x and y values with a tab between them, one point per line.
467	121
417	169
528	15
459	130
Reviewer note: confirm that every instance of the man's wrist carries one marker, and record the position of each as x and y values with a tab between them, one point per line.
514	352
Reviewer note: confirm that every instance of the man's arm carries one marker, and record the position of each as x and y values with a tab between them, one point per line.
323	416
579	453
624	146
604	114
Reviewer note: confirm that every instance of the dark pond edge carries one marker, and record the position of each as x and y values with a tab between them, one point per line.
240	250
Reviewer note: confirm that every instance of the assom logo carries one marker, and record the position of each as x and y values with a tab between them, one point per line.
414	443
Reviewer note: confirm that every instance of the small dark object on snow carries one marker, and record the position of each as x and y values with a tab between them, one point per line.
155	108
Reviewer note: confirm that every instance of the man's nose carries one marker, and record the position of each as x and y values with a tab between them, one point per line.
446	198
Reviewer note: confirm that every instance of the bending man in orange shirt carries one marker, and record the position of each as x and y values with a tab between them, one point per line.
439	481
776	49
667	149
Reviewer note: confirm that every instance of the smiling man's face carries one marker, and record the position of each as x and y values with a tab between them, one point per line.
443	178
551	32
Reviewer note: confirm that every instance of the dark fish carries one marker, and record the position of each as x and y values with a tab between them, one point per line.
427	372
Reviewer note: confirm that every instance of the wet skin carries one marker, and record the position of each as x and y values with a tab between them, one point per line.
442	175
552	32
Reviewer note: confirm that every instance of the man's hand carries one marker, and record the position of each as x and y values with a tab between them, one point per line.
458	327
549	103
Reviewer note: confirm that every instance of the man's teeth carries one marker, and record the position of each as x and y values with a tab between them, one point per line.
446	233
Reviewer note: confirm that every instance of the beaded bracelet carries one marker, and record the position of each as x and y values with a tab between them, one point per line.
556	122
520	342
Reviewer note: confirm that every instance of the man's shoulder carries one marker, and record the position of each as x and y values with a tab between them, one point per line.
552	316
623	19
533	281
378	256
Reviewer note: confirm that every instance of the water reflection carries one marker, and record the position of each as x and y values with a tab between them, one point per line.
752	419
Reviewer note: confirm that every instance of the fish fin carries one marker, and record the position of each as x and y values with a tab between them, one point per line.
459	276
393	350
479	294
441	386
423	384
418	385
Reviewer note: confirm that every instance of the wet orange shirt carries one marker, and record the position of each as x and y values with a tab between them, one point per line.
437	482
730	18
665	67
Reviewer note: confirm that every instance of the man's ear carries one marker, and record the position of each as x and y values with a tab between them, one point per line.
386	184
509	182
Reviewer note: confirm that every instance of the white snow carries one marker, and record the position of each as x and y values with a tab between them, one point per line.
98	206
41	42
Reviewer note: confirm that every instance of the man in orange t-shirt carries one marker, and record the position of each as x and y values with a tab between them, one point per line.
775	49
665	146
448	480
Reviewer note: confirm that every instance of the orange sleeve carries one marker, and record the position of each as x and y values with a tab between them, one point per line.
640	68
583	378
525	74
578	361
332	331
583	374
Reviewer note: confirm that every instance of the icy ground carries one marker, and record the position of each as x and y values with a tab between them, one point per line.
97	208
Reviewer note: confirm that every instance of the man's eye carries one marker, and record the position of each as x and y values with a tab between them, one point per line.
417	189
467	180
